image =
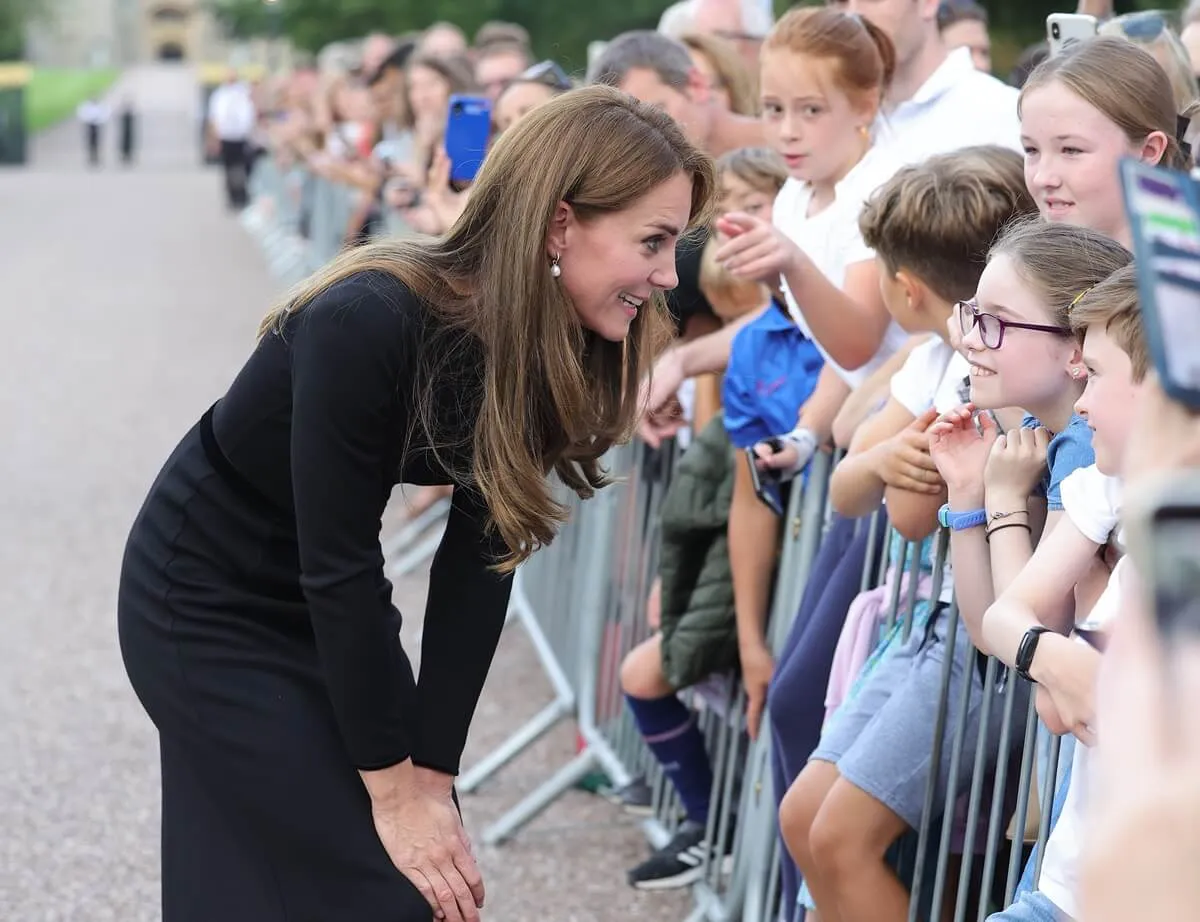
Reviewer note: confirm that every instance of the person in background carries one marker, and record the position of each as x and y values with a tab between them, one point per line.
127	128
1190	34
93	115
1027	63
497	65
536	85
744	24
731	84
964	24
443	40
231	122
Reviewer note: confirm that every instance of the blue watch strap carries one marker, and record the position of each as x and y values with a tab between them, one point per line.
961	521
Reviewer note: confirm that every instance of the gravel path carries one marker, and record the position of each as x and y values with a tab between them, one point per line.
130	298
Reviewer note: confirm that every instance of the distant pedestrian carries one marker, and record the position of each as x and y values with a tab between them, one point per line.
128	129
94	115
231	121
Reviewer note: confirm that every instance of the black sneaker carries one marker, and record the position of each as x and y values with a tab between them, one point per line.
679	863
635	798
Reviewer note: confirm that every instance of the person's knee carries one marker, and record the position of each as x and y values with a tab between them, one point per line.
798	809
642	672
842	843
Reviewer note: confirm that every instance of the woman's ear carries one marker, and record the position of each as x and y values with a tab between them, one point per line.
1154	148
560	223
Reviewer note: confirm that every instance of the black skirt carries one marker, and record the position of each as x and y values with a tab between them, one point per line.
264	818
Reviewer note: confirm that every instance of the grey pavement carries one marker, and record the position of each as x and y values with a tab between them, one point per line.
129	299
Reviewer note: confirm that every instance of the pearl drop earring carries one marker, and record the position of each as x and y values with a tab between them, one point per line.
555	268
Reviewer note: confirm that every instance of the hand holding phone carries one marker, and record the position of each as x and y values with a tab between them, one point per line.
767	482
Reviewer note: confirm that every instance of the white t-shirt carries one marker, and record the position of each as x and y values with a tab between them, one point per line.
92	113
933	375
1092	501
831	239
958	106
1060	868
231	112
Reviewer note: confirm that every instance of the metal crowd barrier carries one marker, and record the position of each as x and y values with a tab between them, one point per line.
300	221
582	603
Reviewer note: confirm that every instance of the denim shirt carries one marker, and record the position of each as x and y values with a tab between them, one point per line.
1068	451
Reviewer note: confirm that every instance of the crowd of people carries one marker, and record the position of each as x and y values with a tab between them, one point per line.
924	268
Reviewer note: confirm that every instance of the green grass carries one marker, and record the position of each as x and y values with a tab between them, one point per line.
53	95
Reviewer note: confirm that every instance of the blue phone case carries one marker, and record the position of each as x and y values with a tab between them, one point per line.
468	130
1164	217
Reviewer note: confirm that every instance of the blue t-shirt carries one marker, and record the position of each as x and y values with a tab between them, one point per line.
1068	451
772	371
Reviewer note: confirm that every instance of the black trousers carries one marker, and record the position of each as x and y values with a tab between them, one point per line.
264	818
235	159
93	144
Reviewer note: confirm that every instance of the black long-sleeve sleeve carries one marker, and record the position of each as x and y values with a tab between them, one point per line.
353	378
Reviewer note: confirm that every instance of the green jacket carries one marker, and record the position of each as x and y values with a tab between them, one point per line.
699	628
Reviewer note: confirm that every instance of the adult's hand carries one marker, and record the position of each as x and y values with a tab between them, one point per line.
661	412
419	826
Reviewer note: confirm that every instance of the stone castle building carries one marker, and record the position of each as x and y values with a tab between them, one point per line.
117	33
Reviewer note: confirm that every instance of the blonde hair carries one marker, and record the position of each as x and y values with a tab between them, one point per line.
1113	304
735	77
761	168
730	296
1121	80
1059	262
1166	48
938	219
555	396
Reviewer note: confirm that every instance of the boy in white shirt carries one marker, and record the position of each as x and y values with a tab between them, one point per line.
1029	624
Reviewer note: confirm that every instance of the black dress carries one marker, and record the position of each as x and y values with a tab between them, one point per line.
257	627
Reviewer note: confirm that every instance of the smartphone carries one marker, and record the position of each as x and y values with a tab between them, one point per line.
468	130
1065	29
767	484
1163	534
1164	217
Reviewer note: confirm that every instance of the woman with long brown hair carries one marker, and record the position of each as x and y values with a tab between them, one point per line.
306	775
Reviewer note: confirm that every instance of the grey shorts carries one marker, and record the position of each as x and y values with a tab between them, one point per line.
882	741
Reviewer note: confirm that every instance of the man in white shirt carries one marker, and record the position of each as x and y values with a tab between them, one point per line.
94	115
231	122
938	101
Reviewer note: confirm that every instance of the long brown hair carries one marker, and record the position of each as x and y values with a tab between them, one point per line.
555	396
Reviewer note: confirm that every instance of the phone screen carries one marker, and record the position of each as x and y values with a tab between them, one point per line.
1175	566
767	485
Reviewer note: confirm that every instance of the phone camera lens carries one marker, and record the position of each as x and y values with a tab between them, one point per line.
1056	31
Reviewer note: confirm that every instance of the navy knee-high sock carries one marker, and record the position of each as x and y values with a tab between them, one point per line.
671	732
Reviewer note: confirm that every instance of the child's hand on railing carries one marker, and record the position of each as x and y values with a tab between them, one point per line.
904	461
757	668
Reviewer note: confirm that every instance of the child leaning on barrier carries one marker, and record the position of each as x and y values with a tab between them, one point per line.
866	783
1029	625
772	371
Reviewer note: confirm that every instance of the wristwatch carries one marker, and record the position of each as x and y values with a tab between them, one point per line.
961	521
1026	651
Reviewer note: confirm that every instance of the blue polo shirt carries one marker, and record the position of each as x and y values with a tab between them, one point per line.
772	371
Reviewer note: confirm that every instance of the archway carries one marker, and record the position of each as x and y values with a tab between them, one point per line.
170	51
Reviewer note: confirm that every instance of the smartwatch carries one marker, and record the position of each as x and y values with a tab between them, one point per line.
961	521
1026	651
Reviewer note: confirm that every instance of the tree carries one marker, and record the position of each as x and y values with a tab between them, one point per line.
15	16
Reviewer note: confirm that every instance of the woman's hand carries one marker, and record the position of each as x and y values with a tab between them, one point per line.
903	462
756	249
960	450
1015	464
446	204
419	826
662	414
